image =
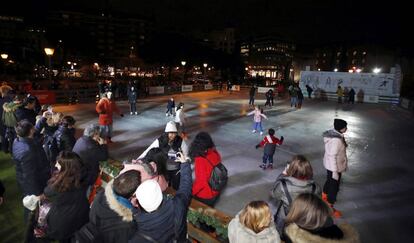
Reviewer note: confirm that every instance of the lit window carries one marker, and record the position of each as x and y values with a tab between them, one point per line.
364	53
355	52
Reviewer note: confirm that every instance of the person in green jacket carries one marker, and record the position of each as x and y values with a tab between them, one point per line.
10	121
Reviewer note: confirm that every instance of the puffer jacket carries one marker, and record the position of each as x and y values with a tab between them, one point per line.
203	167
335	158
297	235
107	211
105	109
294	187
9	118
238	233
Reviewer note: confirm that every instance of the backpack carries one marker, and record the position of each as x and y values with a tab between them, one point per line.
218	177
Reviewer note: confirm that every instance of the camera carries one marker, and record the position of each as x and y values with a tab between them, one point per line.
172	155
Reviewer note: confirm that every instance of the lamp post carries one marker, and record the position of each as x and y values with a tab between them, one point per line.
49	52
183	64
4	56
205	70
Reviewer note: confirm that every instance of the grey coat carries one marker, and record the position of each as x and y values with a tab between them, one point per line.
294	187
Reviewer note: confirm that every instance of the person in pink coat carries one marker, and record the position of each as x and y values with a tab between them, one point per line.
335	161
257	119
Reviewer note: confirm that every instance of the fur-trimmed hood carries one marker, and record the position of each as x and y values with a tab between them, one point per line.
113	204
298	235
332	134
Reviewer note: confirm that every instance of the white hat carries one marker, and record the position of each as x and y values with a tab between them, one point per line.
171	127
30	202
149	195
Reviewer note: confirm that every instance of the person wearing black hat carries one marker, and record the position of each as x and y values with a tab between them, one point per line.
335	161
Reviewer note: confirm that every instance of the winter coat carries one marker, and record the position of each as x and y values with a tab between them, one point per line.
270	142
132	95
179	117
9	118
238	233
170	104
23	113
298	235
335	158
105	109
169	221
293	91
169	149
32	166
257	115
3	100
65	138
91	153
203	167
300	94
107	211
41	124
68	213
295	187
252	91
340	92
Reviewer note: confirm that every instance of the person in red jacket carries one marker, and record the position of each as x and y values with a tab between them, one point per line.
269	143
105	108
205	156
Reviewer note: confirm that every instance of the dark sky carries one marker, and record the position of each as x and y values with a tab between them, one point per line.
306	21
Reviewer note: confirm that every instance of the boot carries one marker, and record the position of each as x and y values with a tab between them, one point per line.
335	213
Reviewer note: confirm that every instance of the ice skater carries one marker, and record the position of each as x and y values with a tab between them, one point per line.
269	143
132	100
170	107
105	108
180	119
257	119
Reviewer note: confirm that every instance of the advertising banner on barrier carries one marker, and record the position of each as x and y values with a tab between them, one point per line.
208	86
156	90
186	88
371	84
264	89
235	87
44	96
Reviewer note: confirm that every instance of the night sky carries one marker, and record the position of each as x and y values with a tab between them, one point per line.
303	21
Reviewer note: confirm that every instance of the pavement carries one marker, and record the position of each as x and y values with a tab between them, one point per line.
376	194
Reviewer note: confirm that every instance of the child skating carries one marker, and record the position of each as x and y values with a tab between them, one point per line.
257	119
269	143
170	107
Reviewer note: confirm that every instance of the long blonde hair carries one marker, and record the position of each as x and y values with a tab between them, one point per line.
256	216
308	211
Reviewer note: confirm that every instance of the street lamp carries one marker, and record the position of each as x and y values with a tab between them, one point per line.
183	64
377	70
205	70
49	52
4	56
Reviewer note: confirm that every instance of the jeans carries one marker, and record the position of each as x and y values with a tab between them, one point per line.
257	125
266	158
331	187
293	101
133	107
106	131
169	111
251	101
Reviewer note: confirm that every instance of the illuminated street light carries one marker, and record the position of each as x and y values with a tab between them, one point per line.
4	56
183	63
69	63
319	69
247	69
49	52
205	70
335	70
376	70
205	65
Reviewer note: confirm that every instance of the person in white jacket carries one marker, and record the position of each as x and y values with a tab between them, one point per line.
180	117
335	161
170	143
253	224
257	119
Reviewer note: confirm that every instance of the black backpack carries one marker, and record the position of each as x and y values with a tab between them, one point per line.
218	177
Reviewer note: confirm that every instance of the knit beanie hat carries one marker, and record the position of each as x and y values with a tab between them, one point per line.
171	127
30	202
149	195
339	124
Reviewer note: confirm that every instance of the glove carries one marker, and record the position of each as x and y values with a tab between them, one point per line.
257	146
335	175
122	115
